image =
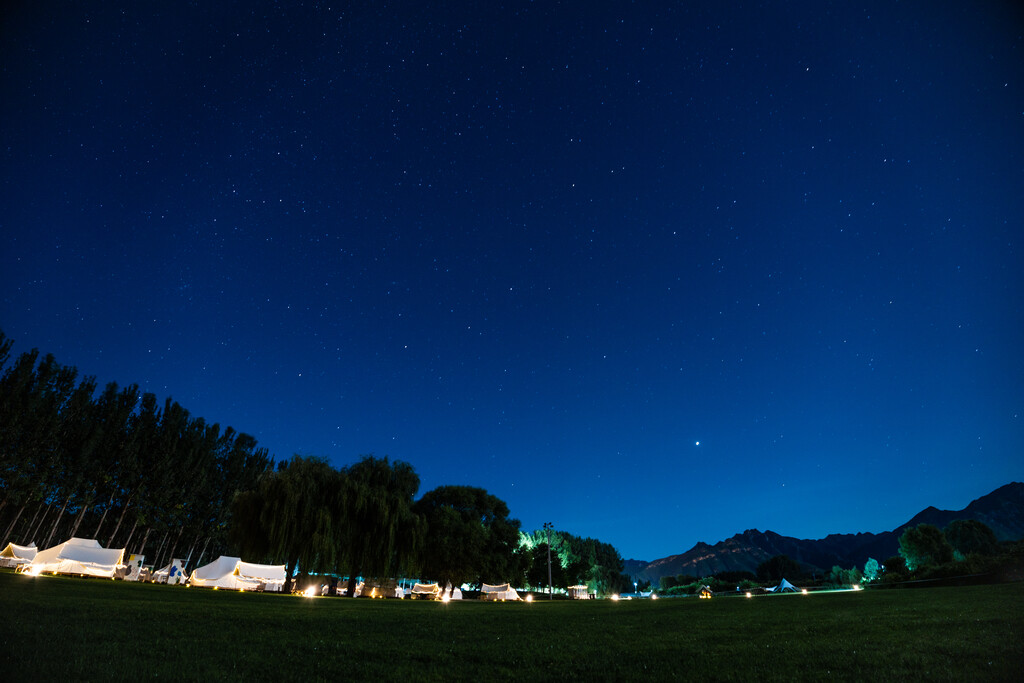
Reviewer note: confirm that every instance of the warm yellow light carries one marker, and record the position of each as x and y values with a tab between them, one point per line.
615	596
856	587
310	592
749	594
804	591
529	598
654	596
446	598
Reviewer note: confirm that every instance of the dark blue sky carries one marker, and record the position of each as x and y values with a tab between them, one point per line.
544	248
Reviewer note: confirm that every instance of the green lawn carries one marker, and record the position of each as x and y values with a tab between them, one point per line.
87	629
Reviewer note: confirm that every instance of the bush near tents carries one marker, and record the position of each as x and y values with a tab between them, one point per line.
718	585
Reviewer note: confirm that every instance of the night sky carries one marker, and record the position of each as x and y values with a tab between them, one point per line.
656	273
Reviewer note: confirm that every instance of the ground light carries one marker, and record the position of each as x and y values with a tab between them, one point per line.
529	598
749	594
310	592
615	596
446	598
804	591
654	596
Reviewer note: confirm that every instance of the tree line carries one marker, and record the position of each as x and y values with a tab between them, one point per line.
115	465
119	466
363	520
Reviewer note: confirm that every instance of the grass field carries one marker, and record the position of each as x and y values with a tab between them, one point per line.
81	629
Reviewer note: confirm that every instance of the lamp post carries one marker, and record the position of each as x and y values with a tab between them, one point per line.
548	526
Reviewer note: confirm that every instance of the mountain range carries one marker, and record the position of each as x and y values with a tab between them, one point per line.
1002	510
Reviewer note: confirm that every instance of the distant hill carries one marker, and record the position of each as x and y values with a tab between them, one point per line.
1002	510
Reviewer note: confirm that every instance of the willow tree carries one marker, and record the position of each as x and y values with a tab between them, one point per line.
290	516
379	533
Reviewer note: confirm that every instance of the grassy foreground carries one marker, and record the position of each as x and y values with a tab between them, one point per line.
64	628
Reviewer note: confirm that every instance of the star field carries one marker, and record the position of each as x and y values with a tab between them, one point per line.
655	273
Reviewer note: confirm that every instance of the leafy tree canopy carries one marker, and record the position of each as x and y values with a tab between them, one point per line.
470	537
971	537
778	568
923	546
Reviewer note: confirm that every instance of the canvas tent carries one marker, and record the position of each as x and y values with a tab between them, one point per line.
783	587
426	590
451	593
14	555
77	556
580	592
233	573
171	574
500	592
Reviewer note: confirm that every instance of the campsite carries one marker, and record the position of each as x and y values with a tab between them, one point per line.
949	633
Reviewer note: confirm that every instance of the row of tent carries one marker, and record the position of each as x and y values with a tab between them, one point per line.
85	556
487	592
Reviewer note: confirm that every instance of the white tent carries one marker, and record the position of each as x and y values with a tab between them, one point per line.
77	556
426	590
451	593
14	555
171	574
783	587
580	592
233	573
501	592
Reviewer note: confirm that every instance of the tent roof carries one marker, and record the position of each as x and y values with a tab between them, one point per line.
425	588
232	572
219	568
22	552
501	588
79	555
270	572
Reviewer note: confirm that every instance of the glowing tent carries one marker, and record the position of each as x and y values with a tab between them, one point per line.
783	587
426	590
77	556
233	573
500	592
14	555
580	592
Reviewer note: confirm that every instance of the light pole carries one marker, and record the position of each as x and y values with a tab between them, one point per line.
548	526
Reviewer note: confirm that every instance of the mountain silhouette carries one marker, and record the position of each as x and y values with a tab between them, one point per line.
1002	510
